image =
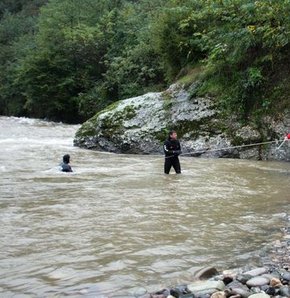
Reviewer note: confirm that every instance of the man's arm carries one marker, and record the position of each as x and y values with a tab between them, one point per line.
178	151
166	149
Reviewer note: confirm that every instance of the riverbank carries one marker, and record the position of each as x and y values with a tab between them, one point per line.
272	279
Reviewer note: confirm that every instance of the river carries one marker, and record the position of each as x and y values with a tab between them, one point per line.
117	224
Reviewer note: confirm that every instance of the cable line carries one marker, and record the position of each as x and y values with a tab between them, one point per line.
231	147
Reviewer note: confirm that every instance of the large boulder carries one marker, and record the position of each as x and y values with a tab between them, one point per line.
140	125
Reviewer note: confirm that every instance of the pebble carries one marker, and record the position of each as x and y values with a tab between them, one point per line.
206	287
270	291
286	276
260	295
206	273
257	281
285	291
243	278
219	295
275	283
237	288
257	271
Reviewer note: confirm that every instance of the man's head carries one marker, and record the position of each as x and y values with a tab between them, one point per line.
172	135
66	158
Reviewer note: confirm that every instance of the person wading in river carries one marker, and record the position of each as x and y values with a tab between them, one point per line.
65	166
172	149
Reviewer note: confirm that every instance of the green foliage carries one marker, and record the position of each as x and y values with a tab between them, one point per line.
248	44
176	37
92	101
67	60
240	44
84	55
15	37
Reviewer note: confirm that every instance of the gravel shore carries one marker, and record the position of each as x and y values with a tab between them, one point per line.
272	279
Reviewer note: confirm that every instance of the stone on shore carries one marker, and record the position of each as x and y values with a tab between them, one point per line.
275	283
220	294
260	295
206	273
286	276
206	287
243	278
285	291
237	288
257	281
257	271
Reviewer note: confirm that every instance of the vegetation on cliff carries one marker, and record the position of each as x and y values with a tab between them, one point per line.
67	60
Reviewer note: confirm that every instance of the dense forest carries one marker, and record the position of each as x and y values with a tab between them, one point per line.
65	60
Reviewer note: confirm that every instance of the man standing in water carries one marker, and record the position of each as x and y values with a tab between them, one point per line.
172	149
65	166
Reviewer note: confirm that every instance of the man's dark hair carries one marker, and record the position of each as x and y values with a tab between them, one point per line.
66	158
171	132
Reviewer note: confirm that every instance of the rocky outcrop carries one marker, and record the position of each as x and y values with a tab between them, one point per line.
140	125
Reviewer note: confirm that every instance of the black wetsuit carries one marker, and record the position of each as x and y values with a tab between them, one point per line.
172	149
66	167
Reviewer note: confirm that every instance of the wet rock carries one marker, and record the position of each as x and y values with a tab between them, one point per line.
243	278
256	271
286	275
240	292
259	295
206	287
284	291
158	296
140	293
147	295
270	276
227	280
275	283
275	273
181	291
237	288
256	290
257	281
270	291
189	295
206	273
161	294
220	294
232	273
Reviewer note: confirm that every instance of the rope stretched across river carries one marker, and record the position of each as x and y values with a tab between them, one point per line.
229	148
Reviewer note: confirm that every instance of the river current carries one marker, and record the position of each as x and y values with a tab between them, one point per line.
118	226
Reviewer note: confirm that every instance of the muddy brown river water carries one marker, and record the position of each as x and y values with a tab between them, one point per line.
117	224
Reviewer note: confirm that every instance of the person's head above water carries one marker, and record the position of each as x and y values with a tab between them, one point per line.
66	158
172	135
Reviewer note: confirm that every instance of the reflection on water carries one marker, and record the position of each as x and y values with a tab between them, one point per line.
117	224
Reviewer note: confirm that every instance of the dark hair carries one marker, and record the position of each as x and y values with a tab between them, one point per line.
66	158
170	133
